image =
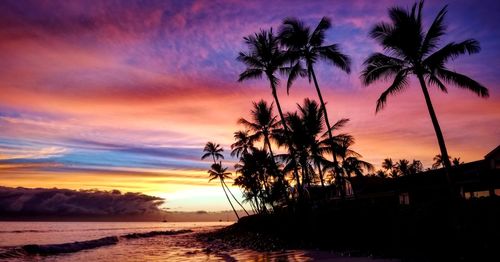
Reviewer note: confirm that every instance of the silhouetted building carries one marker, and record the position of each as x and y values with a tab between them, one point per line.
475	179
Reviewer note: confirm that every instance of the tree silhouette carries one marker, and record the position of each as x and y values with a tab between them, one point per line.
264	58
411	51
214	150
219	172
439	161
307	46
243	145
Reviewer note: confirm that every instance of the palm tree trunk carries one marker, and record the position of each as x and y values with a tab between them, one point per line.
222	184
328	126
442	146
235	198
320	175
287	133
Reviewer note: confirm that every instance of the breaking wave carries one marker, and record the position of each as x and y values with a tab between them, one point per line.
54	249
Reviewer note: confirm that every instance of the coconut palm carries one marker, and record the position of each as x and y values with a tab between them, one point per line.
312	120
411	51
219	172
353	165
263	123
214	150
308	47
388	165
243	145
403	167
416	166
264	58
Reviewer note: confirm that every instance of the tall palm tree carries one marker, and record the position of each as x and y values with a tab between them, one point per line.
264	58
411	51
214	150
219	172
308	46
243	145
312	120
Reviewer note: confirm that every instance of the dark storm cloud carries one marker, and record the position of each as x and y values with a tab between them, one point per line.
65	202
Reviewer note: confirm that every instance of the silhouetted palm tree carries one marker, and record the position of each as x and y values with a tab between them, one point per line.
388	165
403	167
416	166
312	119
381	174
456	161
353	165
439	161
307	46
411	51
263	123
218	172
214	150
264	58
243	144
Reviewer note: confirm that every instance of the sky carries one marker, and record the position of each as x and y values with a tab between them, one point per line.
124	94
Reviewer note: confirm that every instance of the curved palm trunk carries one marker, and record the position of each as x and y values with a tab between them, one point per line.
442	146
235	198
287	133
328	126
229	200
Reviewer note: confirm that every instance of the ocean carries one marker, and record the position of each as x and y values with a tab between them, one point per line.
129	241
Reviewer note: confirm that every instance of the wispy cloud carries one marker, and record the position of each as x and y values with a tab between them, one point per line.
134	89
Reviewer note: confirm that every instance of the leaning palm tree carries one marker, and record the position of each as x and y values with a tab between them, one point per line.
264	58
411	51
219	172
307	46
214	150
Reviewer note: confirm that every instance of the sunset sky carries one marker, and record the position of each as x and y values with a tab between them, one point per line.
124	94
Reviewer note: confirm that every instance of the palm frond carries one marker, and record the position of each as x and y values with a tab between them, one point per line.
451	51
462	81
332	54
318	35
250	73
379	65
400	82
436	30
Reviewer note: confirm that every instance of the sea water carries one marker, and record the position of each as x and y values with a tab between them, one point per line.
116	247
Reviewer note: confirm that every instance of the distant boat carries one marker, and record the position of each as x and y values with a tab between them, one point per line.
164	221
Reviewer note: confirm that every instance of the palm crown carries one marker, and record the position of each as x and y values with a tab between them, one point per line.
263	57
214	150
410	50
306	45
218	172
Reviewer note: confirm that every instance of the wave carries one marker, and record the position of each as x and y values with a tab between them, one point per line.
72	247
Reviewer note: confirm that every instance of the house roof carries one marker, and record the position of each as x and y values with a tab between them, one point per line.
493	152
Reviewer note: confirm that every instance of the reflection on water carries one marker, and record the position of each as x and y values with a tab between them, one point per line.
183	247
